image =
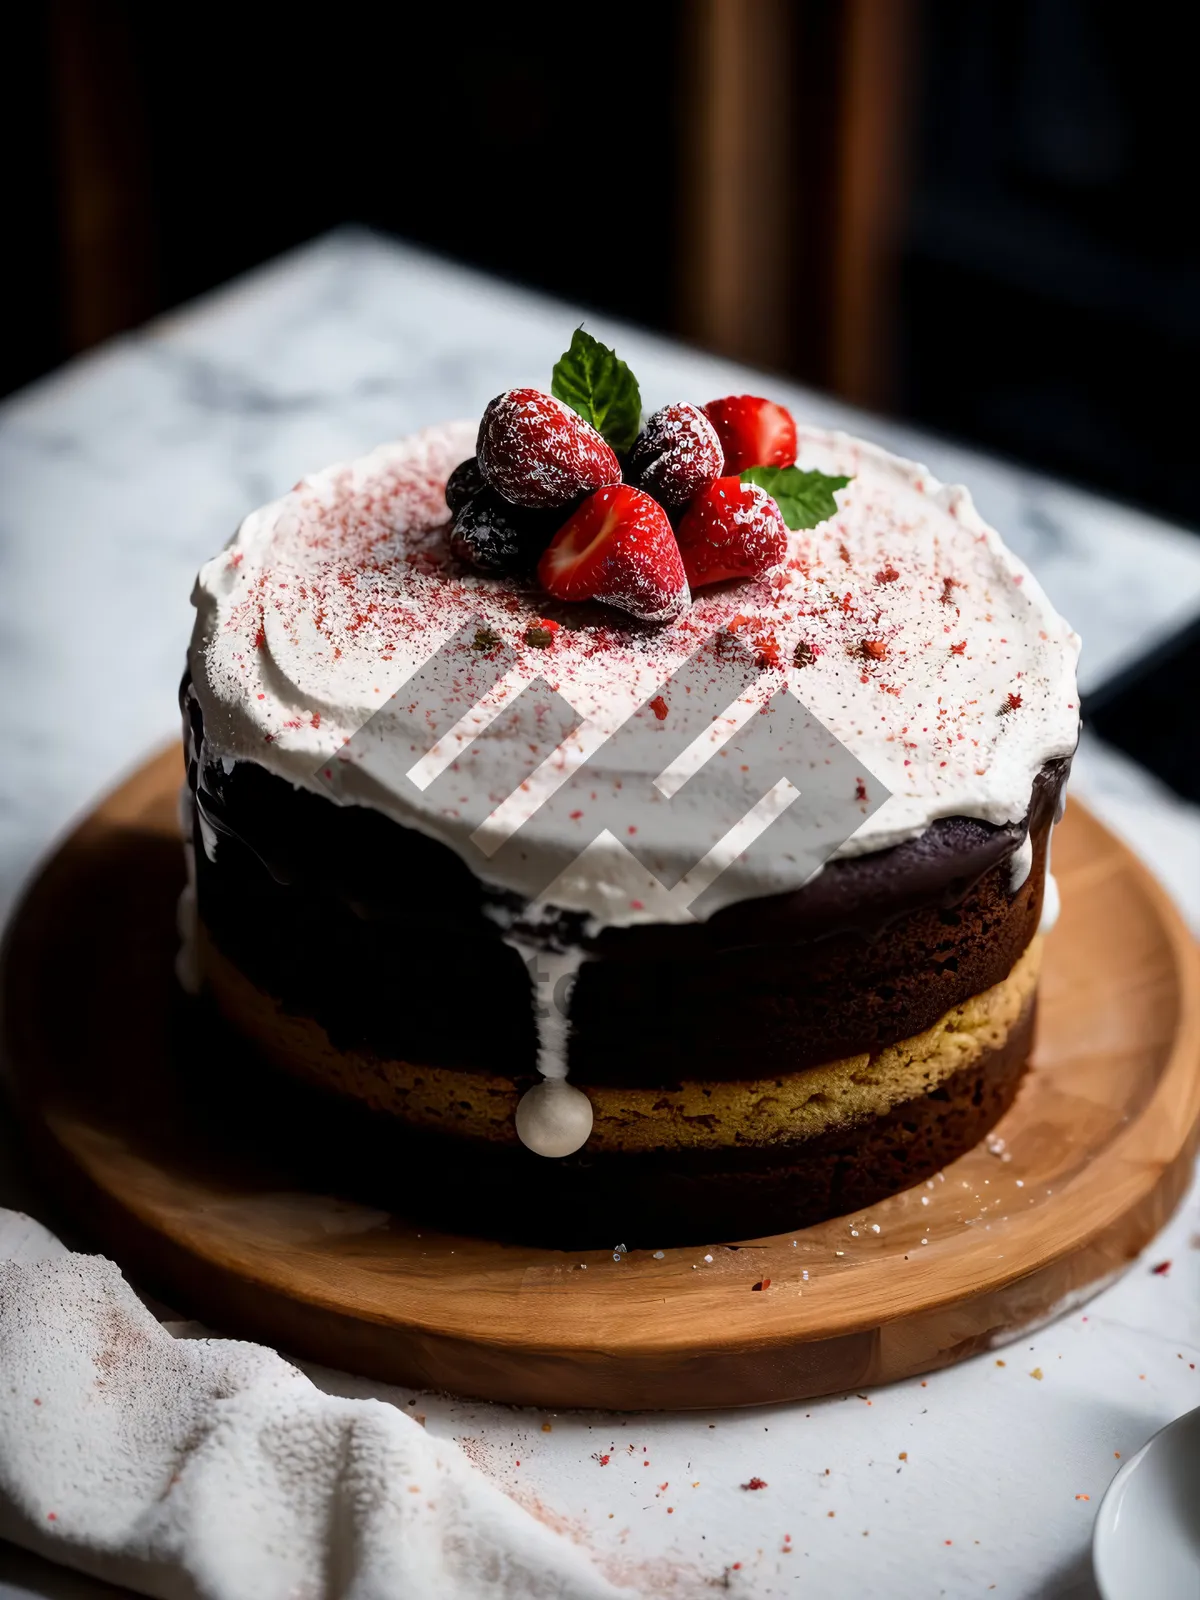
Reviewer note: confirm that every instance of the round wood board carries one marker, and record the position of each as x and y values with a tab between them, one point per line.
1095	1154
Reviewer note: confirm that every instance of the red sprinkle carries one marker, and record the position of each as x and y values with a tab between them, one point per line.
1161	1269
659	707
755	1483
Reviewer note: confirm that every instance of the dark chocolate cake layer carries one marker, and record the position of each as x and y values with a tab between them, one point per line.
378	933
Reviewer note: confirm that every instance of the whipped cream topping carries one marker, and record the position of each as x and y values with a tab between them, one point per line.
925	647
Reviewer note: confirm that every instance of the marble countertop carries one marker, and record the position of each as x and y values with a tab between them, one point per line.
126	469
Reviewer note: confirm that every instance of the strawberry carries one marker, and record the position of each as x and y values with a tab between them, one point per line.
618	547
731	530
537	452
753	432
676	454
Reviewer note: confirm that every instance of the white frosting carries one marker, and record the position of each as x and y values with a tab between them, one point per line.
328	600
1020	864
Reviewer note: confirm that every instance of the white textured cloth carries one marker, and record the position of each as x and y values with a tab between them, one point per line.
198	1467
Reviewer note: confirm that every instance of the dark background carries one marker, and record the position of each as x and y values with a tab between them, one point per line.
974	214
1043	280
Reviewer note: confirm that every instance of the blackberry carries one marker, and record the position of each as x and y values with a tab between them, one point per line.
495	537
463	484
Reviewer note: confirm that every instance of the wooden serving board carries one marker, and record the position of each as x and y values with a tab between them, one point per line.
1095	1154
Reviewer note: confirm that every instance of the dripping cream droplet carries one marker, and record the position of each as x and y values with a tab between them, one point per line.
554	1118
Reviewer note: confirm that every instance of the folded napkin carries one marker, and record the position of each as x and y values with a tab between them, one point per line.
198	1467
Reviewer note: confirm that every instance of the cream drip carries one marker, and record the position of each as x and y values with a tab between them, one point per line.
554	1118
1020	864
1051	899
1051	904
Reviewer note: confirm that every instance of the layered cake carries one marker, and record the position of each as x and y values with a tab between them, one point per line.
643	828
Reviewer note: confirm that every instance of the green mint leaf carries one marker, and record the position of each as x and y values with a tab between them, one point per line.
594	382
804	498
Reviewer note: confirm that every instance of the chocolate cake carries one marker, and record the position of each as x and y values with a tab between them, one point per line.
492	736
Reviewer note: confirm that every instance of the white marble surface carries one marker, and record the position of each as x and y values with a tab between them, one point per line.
123	471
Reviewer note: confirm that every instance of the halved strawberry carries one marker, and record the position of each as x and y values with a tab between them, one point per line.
753	432
731	530
618	547
537	452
